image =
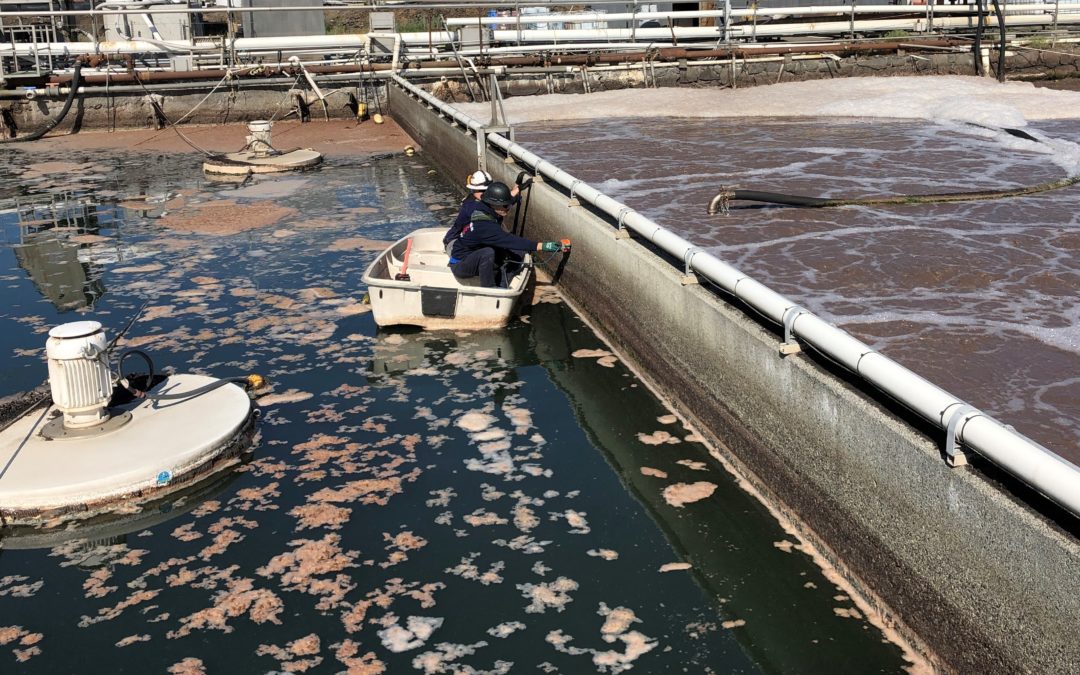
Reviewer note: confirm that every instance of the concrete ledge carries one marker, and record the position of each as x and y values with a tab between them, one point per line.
983	580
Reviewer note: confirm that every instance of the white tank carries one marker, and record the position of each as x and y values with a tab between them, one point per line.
79	375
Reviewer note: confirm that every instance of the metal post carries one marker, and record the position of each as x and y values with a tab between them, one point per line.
753	16
1053	40
727	21
851	21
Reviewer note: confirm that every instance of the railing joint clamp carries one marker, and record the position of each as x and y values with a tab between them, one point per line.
954	456
622	232
689	277
789	345
574	200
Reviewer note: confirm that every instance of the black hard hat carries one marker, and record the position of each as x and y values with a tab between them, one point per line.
497	194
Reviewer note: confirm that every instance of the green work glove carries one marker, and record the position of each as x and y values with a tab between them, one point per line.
551	247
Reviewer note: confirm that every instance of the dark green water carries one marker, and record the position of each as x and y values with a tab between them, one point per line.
417	502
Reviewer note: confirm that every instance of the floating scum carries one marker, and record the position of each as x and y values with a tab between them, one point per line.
428	502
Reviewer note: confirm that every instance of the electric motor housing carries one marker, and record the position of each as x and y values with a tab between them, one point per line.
79	375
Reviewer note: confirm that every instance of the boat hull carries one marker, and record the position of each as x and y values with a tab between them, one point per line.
432	297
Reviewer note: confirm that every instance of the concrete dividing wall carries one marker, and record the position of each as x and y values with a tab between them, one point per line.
982	580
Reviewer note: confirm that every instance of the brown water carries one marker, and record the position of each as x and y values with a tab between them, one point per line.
980	297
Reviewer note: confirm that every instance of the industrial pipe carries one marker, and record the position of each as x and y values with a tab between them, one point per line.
362	41
1053	476
51	124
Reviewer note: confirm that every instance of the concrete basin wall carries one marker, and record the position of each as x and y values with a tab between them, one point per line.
982	581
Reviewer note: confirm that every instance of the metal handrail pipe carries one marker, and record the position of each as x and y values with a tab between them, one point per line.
745	31
1050	474
545	18
770	12
319	42
573	46
358	41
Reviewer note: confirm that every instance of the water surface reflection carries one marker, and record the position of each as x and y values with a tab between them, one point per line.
437	502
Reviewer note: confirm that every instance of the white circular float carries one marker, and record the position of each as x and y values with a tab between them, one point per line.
74	457
259	156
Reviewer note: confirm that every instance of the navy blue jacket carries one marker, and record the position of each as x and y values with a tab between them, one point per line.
468	205
484	231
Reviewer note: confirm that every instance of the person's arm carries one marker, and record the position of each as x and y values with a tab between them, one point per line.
490	234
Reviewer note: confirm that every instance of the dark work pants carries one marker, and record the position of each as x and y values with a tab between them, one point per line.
479	263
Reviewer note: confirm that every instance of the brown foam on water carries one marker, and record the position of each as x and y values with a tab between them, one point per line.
681	494
133	639
289	396
659	437
225	217
28	640
357	244
189	666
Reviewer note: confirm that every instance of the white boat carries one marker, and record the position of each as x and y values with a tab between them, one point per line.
411	284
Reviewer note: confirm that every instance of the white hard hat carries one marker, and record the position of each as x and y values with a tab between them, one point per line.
478	181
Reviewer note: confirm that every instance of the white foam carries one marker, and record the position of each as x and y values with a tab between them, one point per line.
974	100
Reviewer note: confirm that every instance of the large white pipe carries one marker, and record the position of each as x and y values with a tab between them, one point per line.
761	12
362	40
1032	463
159	8
839	27
268	44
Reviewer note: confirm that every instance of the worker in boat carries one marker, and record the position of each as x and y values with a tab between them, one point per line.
477	182
483	245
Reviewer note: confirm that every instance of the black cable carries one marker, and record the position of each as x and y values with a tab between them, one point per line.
139	393
51	124
1001	41
977	46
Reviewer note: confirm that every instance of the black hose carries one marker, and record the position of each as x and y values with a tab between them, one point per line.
139	393
724	196
977	47
51	124
1001	41
777	198
525	214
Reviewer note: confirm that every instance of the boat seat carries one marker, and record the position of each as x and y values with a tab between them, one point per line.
431	269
